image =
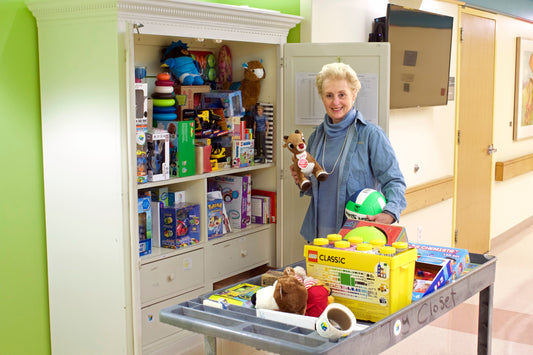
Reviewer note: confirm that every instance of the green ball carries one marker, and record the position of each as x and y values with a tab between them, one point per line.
368	233
211	60
211	74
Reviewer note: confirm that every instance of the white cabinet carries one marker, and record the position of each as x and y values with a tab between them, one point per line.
103	297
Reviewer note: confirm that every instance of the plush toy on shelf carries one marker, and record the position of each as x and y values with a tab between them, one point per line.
303	162
287	294
250	86
181	64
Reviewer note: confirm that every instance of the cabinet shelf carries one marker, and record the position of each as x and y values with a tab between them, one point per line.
163	253
219	172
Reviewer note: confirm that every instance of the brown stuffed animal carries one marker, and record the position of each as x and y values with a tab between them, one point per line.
254	72
304	163
290	294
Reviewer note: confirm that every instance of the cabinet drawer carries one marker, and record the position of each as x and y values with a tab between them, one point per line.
168	277
152	329
239	254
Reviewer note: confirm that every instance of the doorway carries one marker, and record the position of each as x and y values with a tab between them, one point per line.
473	165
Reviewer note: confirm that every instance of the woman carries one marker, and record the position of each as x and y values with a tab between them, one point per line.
355	153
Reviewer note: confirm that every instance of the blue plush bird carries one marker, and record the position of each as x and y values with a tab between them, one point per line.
181	65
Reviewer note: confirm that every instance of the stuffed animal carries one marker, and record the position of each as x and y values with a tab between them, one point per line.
303	162
288	294
250	86
318	295
181	64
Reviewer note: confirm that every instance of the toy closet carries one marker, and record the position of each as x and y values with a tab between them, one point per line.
103	297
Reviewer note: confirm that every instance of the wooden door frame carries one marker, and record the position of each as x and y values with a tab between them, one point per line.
470	11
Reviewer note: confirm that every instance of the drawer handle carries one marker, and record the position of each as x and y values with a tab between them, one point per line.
171	277
244	252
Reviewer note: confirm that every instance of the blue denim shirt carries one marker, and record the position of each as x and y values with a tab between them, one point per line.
368	161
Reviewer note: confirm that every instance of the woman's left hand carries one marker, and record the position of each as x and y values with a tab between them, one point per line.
382	218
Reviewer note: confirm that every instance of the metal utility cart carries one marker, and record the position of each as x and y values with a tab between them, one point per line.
241	324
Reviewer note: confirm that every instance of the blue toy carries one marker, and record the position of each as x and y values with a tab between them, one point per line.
181	64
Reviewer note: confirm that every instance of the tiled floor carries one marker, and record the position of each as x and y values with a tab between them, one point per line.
456	332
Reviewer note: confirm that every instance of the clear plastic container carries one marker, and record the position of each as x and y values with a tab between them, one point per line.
365	248
332	238
321	242
376	244
400	246
342	245
387	251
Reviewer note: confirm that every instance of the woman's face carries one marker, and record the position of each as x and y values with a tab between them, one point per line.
338	98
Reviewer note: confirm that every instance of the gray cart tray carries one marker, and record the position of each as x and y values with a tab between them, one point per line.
241	324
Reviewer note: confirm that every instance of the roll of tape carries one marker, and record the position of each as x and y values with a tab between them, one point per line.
335	322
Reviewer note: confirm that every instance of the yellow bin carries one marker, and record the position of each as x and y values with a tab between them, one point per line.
371	286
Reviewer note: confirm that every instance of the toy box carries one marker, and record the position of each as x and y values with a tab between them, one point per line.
229	100
186	153
234	191
156	240
175	197
240	294
260	209
179	225
459	257
242	153
171	128
145	225
430	276
160	194
393	233
157	156
193	95
215	216
372	286
142	163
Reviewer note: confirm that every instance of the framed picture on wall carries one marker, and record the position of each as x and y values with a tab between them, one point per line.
523	112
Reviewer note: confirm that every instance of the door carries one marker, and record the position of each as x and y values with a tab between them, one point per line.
302	61
474	135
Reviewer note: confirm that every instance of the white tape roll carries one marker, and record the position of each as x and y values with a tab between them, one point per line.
335	322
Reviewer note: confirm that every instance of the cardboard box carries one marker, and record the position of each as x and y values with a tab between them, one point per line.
394	233
430	276
145	225
260	209
242	153
272	196
180	225
175	197
460	258
372	286
229	100
193	94
171	128
234	191
215	217
158	155
186	152
156	240
269	277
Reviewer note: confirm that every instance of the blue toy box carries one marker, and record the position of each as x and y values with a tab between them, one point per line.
215	216
459	257
145	225
179	225
229	100
430	275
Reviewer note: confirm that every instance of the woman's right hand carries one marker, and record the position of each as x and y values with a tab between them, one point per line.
295	175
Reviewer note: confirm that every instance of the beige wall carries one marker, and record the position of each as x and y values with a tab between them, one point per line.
425	137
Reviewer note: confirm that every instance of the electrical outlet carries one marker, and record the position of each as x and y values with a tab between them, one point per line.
419	234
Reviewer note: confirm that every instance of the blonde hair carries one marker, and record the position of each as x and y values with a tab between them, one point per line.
338	71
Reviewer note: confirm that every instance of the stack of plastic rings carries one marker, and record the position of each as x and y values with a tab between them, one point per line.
164	99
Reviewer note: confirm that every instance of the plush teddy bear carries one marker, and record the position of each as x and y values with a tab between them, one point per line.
318	295
287	294
181	64
303	162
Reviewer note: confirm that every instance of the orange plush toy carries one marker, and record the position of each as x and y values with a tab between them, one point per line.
303	162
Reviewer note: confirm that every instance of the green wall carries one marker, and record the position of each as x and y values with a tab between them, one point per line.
24	293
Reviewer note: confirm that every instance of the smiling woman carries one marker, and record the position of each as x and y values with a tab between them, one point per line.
355	153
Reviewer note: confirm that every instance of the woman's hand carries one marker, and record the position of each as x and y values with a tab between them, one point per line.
295	175
382	218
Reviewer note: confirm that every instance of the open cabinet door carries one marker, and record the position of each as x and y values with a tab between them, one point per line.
303	110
